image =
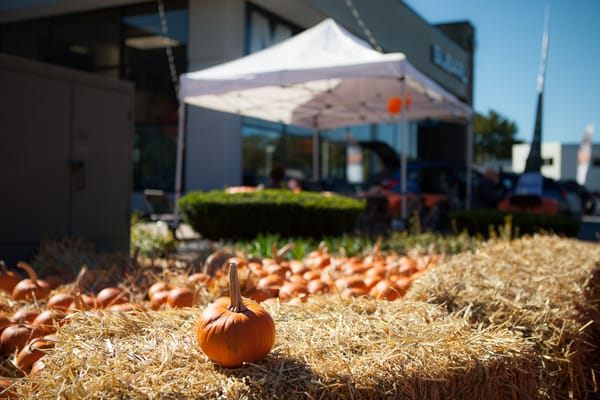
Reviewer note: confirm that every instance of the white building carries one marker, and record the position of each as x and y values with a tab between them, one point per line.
560	162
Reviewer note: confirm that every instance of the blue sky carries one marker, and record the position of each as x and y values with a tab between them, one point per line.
507	60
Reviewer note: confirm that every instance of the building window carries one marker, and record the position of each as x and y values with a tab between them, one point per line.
298	153
29	39
266	145
88	42
146	63
264	29
262	148
123	43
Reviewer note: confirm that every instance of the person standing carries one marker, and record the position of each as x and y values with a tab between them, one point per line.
490	190
276	177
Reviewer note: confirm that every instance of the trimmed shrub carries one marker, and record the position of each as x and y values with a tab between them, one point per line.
220	215
484	222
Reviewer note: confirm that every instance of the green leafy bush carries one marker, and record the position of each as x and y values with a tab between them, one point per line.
484	222
220	215
151	240
262	245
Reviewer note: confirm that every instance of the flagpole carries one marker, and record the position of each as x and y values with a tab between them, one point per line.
179	157
534	159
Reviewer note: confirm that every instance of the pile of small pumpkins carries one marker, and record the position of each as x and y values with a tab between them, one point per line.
279	279
31	309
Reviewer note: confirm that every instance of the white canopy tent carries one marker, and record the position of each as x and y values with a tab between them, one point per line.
322	78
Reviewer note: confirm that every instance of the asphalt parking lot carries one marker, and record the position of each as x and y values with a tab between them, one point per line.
590	228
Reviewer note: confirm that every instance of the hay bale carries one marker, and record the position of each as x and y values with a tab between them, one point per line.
544	287
328	348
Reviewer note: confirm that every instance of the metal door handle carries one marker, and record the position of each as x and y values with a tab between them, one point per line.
78	169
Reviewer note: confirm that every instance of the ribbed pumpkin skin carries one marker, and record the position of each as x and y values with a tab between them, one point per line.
231	338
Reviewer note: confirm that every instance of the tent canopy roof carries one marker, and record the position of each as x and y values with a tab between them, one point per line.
323	78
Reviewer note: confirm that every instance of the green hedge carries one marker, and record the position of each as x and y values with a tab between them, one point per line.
219	215
485	222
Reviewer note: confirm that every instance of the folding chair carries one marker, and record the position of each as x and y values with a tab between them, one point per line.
161	209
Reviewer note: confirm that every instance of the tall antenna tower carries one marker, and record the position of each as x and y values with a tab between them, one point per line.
534	160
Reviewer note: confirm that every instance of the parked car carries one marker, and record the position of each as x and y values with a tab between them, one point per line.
580	198
552	200
446	178
596	206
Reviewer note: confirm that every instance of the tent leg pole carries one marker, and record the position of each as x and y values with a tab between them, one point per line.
315	155
179	157
404	174
468	188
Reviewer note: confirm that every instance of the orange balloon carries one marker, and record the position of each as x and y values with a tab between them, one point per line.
394	105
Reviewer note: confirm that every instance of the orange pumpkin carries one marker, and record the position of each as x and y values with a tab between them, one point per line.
200	279
350	282
260	295
33	351
83	301
270	281
387	290
5	321
60	301
15	337
159	300
31	288
293	289
317	286
158	287
125	307
233	330
37	368
180	297
298	267
372	280
25	315
8	279
110	296
49	320
6	389
394	105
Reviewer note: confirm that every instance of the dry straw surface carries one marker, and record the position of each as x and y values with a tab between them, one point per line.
545	288
511	320
328	348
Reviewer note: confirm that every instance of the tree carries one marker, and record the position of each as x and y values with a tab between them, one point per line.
493	137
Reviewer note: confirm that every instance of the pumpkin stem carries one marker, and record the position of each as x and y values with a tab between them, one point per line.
79	279
235	294
79	303
285	249
29	270
376	247
323	247
274	252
